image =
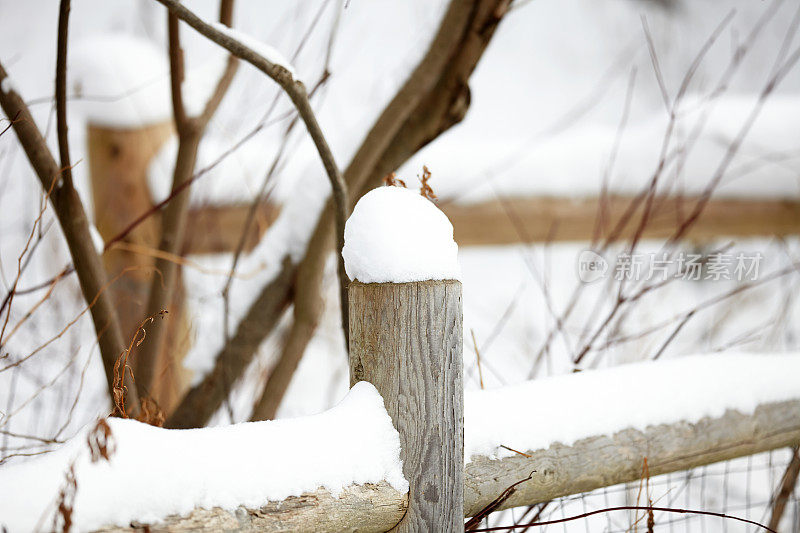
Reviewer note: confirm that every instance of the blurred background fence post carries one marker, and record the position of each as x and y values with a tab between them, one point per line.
119	162
406	339
118	166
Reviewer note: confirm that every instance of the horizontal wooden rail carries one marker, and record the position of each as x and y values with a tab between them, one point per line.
589	464
363	508
603	461
544	219
216	229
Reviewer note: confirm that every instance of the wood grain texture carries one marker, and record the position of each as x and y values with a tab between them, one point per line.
406	339
359	508
589	464
603	461
541	219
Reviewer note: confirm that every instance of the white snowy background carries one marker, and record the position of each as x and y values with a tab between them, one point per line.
547	99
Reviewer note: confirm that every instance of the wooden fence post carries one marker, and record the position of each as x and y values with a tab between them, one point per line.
406	339
118	163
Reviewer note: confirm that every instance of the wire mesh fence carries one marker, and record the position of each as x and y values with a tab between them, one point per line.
744	488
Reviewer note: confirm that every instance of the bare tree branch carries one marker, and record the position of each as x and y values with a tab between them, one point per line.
75	226
788	482
61	92
443	106
190	132
434	97
296	92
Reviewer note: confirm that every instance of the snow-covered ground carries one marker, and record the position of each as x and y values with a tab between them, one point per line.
546	106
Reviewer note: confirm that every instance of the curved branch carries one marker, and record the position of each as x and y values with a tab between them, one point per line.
296	92
428	103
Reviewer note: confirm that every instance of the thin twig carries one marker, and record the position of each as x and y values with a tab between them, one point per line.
630	508
788	482
296	92
75	226
473	522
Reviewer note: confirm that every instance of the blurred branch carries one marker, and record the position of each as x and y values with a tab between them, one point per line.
190	132
75	226
435	97
206	397
296	92
176	76
463	34
788	481
226	18
61	92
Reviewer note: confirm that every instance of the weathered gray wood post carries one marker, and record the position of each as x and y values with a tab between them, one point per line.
406	339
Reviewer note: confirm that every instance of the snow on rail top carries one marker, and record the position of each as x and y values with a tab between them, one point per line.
566	408
157	472
396	235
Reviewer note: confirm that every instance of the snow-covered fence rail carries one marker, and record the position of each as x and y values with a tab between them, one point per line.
341	470
561	470
606	460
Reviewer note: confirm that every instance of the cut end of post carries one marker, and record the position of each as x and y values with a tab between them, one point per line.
395	235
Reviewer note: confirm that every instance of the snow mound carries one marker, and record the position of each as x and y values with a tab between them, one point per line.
566	408
157	472
396	235
121	81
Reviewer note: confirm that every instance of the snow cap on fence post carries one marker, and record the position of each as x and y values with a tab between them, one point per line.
406	339
396	235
